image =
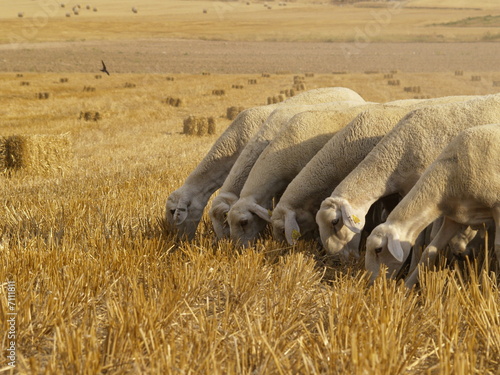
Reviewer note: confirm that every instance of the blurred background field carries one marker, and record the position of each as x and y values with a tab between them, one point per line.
300	20
101	284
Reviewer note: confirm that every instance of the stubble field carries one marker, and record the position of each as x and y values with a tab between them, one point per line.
102	286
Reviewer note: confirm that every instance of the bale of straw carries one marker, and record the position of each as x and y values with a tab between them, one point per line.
199	125
212	127
3	154
37	153
298	80
189	125
233	111
202	126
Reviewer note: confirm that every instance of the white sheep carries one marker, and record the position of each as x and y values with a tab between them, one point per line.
462	184
230	190
279	163
395	164
185	205
294	215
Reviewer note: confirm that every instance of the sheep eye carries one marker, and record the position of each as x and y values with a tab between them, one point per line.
335	222
172	212
378	250
243	222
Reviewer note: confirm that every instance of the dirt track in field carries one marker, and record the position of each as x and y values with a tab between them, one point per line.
195	56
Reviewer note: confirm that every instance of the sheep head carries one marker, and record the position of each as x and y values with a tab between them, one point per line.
339	226
383	246
291	224
246	221
183	214
219	213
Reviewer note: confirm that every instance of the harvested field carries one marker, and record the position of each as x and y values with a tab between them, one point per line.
93	281
235	57
102	286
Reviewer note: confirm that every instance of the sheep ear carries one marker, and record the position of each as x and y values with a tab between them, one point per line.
394	246
261	212
292	230
350	219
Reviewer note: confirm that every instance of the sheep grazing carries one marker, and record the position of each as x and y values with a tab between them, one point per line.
462	184
395	164
230	190
296	210
294	215
297	142
234	182
185	205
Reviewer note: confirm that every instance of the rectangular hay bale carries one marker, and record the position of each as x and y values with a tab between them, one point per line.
37	153
3	154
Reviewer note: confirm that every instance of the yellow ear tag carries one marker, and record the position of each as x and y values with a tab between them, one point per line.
295	234
270	213
355	219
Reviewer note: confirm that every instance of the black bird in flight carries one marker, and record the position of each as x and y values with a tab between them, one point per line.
104	70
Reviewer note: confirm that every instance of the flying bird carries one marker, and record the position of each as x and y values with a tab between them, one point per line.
104	70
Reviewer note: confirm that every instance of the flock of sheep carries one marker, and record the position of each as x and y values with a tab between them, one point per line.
332	165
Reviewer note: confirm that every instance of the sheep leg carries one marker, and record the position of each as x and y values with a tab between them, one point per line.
445	234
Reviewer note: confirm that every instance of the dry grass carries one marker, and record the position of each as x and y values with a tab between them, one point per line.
102	287
301	20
